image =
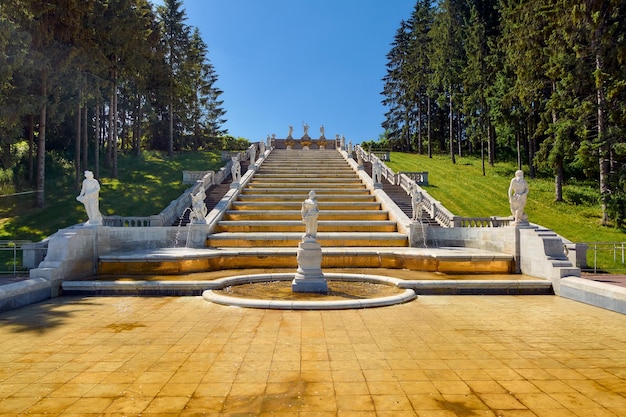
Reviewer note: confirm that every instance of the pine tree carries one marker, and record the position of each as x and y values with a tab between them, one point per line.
176	36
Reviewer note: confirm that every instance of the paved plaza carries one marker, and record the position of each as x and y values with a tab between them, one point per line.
437	356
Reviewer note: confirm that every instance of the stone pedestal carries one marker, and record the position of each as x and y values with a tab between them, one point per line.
309	276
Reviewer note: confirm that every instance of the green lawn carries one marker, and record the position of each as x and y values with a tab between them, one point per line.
146	185
464	191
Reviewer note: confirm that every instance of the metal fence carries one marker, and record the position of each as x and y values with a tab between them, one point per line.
11	255
606	257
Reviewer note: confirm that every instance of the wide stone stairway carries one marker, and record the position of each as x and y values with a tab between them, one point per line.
267	211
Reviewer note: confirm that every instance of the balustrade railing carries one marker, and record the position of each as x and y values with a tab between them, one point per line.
410	181
176	208
11	256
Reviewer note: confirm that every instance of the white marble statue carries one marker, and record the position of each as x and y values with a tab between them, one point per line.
518	193
252	154
306	129
262	148
377	172
310	211
416	202
90	197
235	169
198	207
322	131
290	131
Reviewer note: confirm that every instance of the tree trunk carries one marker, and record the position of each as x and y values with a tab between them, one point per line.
96	148
492	144
40	198
430	151
77	147
108	160
458	134
605	147
170	133
114	151
451	120
558	181
518	145
419	125
31	148
482	155
85	140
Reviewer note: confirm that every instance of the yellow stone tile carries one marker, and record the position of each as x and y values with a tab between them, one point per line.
385	388
395	403
164	405
51	405
418	387
143	390
452	387
410	375
520	386
502	401
154	377
283	376
212	389
574	400
127	405
354	403
379	375
178	390
552	386
316	375
314	365
535	401
247	388
487	387
85	406
351	388
16	406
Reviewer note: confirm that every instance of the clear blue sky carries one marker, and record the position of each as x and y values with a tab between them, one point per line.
289	62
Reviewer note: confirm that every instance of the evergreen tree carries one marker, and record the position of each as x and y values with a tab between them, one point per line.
447	58
397	90
176	36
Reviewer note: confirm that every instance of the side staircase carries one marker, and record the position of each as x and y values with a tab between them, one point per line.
267	211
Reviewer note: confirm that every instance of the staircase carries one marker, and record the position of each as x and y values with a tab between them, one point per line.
267	211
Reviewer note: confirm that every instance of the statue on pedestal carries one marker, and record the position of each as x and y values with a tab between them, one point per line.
416	202
377	172
90	196
309	276
518	193
198	207
235	169
310	211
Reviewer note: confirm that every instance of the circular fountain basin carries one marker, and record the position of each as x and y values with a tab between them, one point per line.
273	291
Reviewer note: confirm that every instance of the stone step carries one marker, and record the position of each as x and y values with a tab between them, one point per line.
307	180
256	226
352	206
295	175
325	214
310	185
265	240
305	191
302	194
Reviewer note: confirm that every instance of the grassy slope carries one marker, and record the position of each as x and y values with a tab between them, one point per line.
145	186
464	191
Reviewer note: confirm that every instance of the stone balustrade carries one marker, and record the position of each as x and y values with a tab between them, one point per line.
409	180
